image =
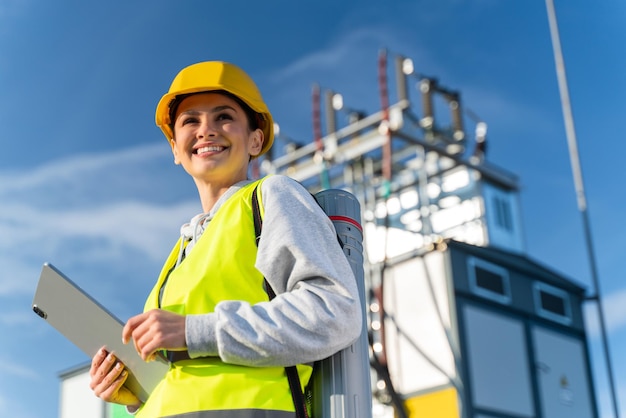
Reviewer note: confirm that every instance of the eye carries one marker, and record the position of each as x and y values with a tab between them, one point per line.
188	120
224	116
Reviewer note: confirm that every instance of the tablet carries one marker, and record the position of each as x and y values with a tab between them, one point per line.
87	324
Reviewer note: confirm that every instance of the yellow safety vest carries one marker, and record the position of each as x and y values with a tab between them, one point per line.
220	267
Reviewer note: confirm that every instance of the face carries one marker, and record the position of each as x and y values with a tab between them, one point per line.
212	139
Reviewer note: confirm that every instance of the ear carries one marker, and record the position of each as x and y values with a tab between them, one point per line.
256	142
174	151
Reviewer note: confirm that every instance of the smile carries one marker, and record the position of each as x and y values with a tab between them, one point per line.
210	148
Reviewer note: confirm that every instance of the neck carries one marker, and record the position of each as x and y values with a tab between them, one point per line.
210	193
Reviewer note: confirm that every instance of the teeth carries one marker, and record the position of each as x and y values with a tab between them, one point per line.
212	148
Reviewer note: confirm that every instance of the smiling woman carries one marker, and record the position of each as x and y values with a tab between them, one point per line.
234	350
214	143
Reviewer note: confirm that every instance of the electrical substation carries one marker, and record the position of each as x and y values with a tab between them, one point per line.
462	323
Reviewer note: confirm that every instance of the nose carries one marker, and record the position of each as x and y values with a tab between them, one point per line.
206	130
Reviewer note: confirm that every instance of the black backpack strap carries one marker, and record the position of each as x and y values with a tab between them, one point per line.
256	215
291	371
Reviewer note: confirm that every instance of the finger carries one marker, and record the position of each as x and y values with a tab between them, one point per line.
106	366
97	360
129	327
150	338
148	352
99	372
145	345
102	373
117	376
111	383
137	337
143	335
160	331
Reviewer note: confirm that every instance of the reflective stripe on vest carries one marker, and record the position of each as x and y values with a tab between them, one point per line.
242	413
205	277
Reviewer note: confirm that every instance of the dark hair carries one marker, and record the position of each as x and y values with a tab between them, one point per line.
255	120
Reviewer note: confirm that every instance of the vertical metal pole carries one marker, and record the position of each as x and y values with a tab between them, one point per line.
387	173
384	103
331	116
386	187
401	85
580	190
317	137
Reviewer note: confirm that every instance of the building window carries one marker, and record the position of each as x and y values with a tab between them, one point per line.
552	303
489	280
503	215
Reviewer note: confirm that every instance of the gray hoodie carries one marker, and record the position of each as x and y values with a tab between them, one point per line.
316	311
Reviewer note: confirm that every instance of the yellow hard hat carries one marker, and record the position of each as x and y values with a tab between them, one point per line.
211	76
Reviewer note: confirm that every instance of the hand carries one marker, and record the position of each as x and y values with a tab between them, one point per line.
155	330
108	375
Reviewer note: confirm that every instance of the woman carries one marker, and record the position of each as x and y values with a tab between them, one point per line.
209	311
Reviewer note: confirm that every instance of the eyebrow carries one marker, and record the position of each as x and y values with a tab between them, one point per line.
216	109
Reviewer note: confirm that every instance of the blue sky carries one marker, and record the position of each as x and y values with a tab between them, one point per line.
87	180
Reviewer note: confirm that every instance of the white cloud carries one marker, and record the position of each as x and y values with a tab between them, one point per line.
344	58
140	226
18	276
90	209
615	310
13	369
614	313
106	217
347	64
329	58
605	403
83	167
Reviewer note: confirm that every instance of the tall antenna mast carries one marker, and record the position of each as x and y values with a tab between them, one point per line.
580	190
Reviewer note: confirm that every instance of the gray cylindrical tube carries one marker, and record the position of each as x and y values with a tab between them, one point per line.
341	383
